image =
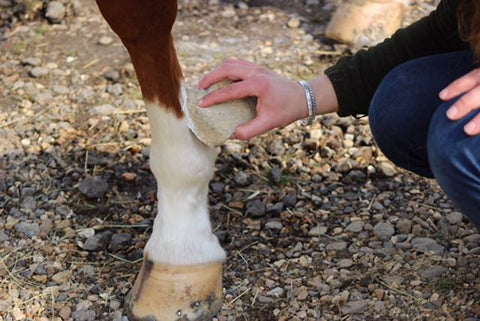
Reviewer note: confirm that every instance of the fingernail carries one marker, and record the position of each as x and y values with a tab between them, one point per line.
470	128
452	111
200	103
444	93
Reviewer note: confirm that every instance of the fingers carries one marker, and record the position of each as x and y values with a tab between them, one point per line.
233	91
253	128
233	69
473	127
465	104
461	85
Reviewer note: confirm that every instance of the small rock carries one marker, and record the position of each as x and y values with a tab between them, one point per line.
65	312
29	229
93	187
4	236
34	62
454	218
242	179
46	226
106	109
129	177
337	246
118	241
346	263
62	277
29	203
43	97
383	230
425	244
404	226
97	242
274	225
355	227
217	187
112	75
276	292
228	12
276	175
431	272
317	230
38	72
293	23
387	169
275	209
84	315
105	41
256	208
115	89
354	307
55	12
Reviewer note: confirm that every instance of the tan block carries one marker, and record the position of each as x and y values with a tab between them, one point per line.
214	125
361	23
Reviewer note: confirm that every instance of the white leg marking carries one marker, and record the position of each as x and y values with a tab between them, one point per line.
183	166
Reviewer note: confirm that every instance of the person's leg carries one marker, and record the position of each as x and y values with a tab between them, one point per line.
404	104
455	161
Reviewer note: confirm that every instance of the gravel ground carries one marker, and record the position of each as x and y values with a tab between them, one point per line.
317	224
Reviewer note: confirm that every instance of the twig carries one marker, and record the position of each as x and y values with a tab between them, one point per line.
385	284
255	297
238	297
124	260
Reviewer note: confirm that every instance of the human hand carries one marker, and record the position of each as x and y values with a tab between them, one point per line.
469	85
280	101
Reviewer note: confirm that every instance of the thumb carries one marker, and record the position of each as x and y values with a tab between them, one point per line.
253	128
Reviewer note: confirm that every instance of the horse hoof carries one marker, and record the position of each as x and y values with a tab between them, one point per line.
175	293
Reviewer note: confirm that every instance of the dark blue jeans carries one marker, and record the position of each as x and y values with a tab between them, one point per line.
410	126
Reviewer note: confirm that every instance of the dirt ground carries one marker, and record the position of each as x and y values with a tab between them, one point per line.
316	222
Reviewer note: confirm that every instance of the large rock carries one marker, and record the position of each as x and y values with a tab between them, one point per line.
365	23
93	187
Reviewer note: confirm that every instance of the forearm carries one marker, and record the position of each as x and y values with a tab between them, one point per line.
325	95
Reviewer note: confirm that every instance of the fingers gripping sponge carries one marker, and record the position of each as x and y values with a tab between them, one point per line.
214	125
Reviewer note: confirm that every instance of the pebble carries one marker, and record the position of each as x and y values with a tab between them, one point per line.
4	236
29	229
383	230
93	187
431	272
276	292
256	208
106	109
62	277
354	307
84	315
293	23
34	62
105	41
112	75
404	226
29	203
38	72
98	242
43	98
337	246
454	218
217	187
118	241
426	244
317	230
355	227
242	178
345	263
274	225
387	169
55	11
65	312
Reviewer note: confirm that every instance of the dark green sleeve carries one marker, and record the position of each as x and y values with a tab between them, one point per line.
355	78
